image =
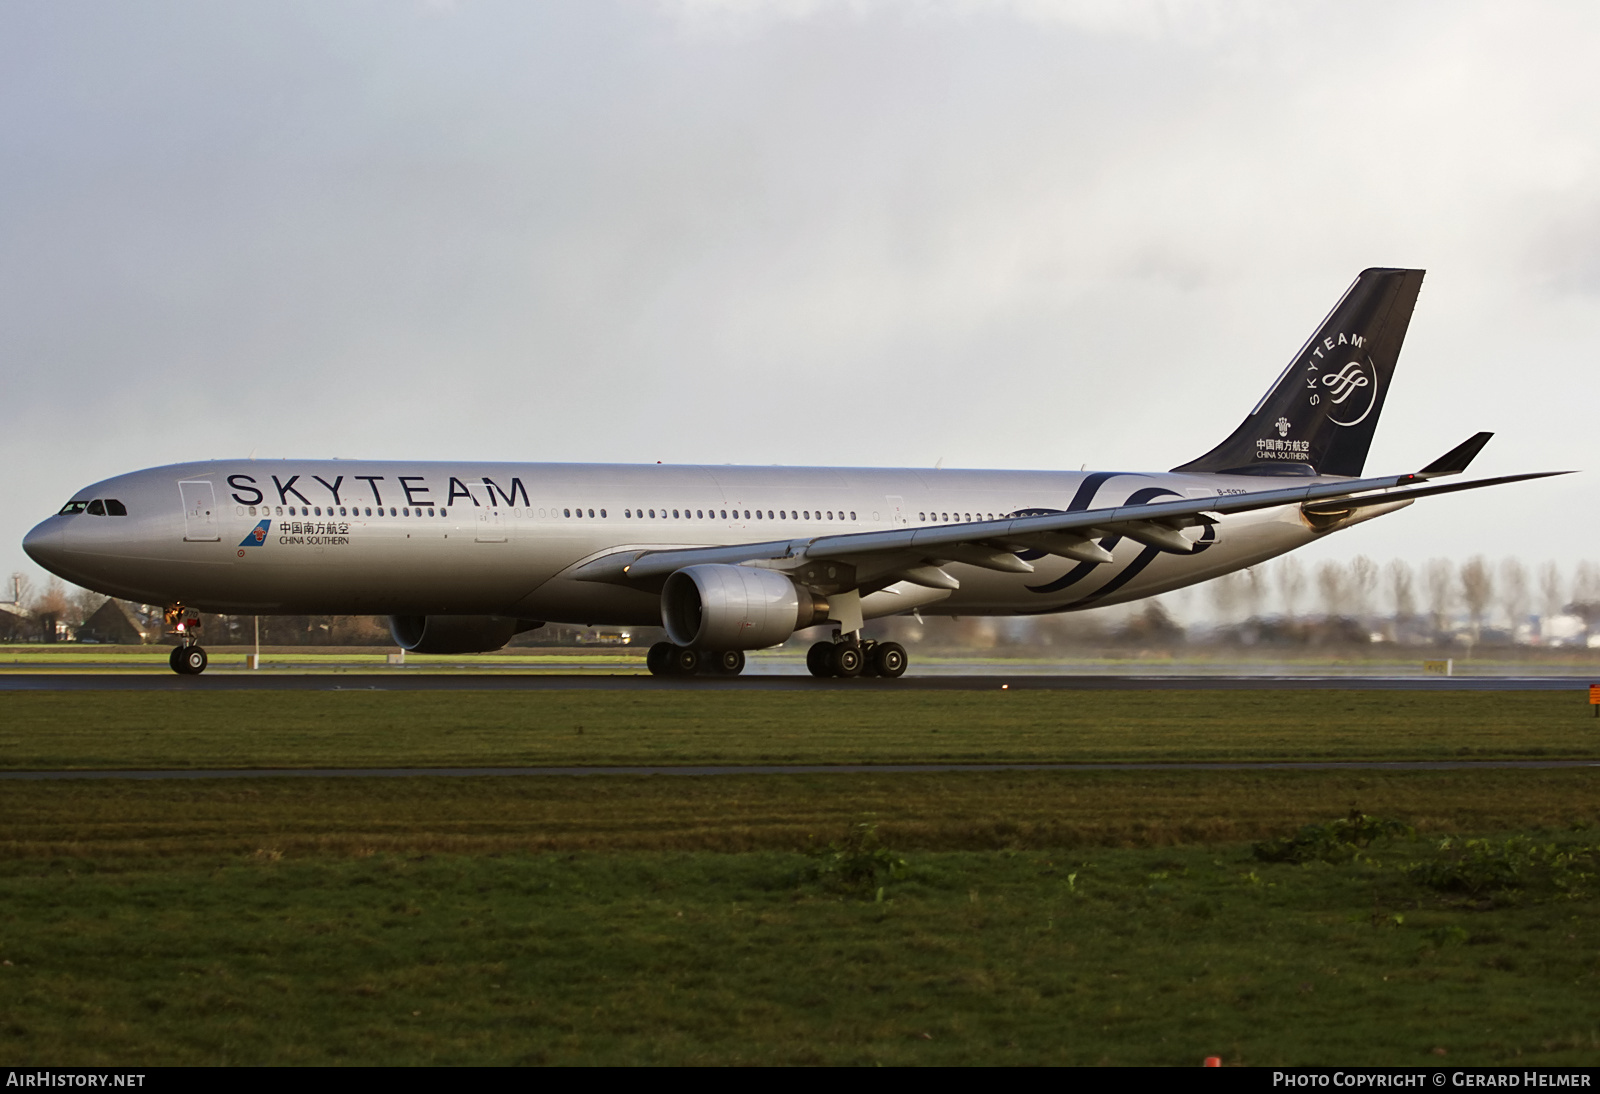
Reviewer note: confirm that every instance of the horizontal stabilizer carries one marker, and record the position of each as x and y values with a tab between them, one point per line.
1456	460
1345	504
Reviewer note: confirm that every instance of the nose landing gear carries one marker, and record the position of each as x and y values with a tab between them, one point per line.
187	658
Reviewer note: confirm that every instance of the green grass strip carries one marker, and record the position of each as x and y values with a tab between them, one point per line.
1104	957
401	729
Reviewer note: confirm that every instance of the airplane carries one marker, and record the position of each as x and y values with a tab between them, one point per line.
463	556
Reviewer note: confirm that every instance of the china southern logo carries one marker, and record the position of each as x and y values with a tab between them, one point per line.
257	536
1353	391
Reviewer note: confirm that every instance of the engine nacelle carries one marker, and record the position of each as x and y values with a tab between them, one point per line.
456	633
715	607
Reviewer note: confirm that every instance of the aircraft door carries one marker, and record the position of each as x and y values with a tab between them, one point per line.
199	512
897	507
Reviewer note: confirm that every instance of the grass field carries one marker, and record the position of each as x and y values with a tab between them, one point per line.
402	729
1009	917
1087	956
49	821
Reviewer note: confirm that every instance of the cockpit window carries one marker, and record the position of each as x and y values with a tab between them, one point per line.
115	508
73	507
97	508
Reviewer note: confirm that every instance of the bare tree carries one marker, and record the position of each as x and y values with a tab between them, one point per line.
1477	591
82	603
1551	600
1439	578
52	600
1361	584
1331	587
1515	594
1227	593
1586	584
1402	589
1586	594
1291	585
1255	594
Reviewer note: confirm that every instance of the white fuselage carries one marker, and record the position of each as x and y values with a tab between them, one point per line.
382	538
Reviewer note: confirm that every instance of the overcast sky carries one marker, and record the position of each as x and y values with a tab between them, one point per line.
1032	234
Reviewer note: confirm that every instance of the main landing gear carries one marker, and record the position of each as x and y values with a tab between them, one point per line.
665	659
187	658
848	657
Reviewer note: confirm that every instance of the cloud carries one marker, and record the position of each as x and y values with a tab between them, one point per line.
1021	234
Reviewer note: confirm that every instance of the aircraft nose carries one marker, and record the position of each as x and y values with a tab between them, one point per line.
45	544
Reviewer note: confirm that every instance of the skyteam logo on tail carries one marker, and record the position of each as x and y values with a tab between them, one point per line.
257	536
1352	392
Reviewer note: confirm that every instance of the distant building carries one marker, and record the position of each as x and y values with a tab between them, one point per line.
17	624
114	624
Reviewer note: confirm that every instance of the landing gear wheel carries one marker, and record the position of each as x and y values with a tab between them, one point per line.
889	660
190	660
846	660
175	660
659	659
869	659
730	662
685	662
819	659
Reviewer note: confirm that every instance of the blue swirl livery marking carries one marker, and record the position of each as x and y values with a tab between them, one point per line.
1131	571
1080	501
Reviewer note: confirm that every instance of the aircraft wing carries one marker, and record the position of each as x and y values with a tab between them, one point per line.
916	553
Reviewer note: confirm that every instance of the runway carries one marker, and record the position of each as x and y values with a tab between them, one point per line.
457	681
707	771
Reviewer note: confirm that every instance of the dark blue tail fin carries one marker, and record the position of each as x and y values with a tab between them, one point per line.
1319	417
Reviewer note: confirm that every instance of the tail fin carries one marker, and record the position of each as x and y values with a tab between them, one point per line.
1319	417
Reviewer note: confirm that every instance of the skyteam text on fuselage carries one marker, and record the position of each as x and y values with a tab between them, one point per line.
462	556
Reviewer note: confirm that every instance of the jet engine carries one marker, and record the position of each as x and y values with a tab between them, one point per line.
717	607
456	633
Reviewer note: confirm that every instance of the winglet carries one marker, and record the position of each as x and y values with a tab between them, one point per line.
1456	460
